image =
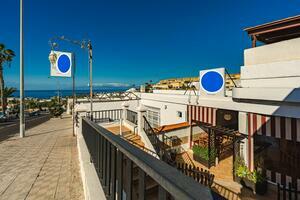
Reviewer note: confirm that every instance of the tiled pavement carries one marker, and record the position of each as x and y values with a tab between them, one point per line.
43	165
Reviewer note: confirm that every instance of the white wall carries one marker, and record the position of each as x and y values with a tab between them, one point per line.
168	111
131	126
169	91
276	52
278	74
287	110
91	184
111	105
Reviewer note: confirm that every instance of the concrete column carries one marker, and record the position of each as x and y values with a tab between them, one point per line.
248	142
190	133
125	106
141	111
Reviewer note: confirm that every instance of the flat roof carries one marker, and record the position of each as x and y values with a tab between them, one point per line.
276	31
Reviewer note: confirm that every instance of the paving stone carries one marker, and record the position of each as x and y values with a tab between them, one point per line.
43	165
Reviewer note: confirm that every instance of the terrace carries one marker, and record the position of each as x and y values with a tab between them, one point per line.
129	121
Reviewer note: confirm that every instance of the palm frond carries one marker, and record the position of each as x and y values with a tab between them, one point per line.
2	46
8	91
9	52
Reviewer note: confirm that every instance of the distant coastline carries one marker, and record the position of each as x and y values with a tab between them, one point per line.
46	94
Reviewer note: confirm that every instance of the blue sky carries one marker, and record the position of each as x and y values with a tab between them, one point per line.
135	40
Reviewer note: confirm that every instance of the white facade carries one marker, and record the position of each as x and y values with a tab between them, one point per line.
270	87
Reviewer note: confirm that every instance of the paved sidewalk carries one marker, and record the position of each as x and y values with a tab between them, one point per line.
43	165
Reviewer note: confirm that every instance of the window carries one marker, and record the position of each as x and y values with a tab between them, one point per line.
179	114
153	117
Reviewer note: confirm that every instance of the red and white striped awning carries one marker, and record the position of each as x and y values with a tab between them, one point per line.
273	126
202	114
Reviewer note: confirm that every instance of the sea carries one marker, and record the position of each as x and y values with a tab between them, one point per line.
47	94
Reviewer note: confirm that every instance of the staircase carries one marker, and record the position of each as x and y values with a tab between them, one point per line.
160	147
184	157
134	139
131	137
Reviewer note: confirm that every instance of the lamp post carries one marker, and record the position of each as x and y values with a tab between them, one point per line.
52	59
88	46
90	49
57	83
22	120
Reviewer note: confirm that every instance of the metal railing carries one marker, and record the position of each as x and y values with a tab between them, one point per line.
290	192
149	151
132	116
105	115
124	170
153	137
198	174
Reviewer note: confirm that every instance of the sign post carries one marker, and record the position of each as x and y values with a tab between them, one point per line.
63	65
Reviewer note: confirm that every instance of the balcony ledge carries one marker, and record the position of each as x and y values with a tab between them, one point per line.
91	184
283	95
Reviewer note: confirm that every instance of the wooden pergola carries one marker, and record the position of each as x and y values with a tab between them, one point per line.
215	131
275	31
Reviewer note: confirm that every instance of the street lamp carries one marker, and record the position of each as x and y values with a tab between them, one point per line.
58	88
83	45
53	58
22	120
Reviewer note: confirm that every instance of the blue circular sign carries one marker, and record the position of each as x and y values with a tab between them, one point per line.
63	63
212	81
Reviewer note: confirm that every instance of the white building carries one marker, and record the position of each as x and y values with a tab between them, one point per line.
264	113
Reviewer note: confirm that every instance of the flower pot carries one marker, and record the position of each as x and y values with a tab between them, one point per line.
257	188
261	187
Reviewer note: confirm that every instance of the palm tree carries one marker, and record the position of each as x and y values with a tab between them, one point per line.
7	92
6	56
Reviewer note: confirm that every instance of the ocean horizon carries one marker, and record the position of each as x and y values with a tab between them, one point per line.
46	94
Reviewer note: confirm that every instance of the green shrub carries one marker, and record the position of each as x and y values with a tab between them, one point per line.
256	177
203	152
242	171
55	107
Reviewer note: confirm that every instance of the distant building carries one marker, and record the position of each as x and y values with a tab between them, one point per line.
183	83
233	81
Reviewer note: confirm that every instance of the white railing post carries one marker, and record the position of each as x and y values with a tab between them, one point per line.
123	115
140	122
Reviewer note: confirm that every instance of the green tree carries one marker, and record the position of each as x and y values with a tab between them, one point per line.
55	108
6	56
7	92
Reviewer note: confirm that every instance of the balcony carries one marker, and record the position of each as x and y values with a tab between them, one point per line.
126	172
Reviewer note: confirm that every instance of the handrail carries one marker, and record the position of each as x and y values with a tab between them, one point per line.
102	115
168	178
152	137
143	148
148	125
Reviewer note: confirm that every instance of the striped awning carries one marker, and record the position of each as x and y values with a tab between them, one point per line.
202	114
274	126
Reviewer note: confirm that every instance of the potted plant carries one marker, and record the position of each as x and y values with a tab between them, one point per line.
253	180
259	181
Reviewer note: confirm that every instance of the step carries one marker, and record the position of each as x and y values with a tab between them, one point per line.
132	137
